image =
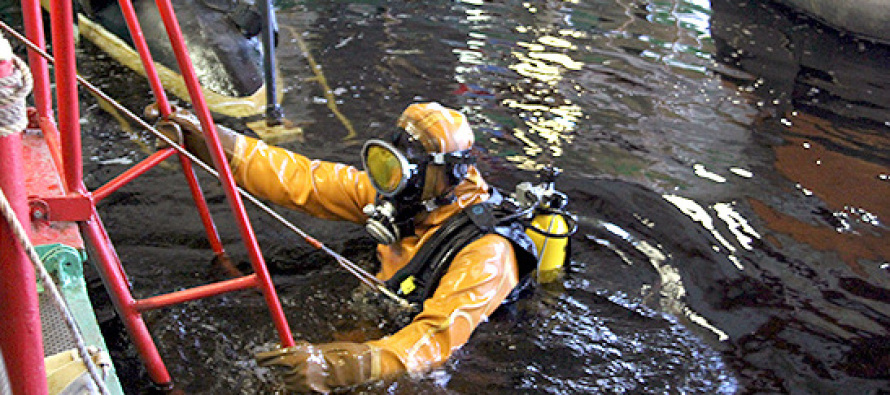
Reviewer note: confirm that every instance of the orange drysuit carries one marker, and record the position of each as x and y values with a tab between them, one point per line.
479	278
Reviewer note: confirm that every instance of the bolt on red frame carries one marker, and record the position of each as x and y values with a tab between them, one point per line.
64	142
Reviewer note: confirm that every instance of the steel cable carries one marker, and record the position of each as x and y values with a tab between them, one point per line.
19	231
13	119
362	275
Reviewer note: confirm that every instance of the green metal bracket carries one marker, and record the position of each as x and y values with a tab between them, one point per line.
65	265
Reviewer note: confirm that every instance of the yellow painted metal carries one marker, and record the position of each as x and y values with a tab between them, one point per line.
552	251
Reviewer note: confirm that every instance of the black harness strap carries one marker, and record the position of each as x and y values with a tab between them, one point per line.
418	280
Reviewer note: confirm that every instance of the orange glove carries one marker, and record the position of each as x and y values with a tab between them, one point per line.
307	367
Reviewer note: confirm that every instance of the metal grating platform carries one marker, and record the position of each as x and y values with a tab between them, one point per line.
65	265
56	336
61	249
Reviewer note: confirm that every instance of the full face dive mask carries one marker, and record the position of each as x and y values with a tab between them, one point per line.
398	171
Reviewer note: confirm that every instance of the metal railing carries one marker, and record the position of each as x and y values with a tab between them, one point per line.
78	204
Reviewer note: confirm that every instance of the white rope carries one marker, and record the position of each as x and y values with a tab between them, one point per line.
19	231
13	90
366	278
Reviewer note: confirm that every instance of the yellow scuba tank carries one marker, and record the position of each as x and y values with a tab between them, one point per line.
550	233
550	226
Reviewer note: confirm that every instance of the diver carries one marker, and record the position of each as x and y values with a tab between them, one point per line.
443	240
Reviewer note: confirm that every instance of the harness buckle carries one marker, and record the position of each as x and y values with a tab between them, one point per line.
407	286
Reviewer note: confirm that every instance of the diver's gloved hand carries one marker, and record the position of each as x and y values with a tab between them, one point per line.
307	367
184	128
171	131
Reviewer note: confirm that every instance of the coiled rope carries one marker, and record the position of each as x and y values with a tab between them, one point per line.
13	119
14	88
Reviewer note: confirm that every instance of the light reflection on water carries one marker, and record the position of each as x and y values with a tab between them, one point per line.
717	252
572	75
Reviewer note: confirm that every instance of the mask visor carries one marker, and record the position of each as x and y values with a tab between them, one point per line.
387	167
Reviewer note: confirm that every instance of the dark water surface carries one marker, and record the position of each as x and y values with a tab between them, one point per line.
728	162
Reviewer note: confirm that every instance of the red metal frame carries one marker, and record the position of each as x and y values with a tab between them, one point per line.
21	343
42	179
66	208
132	173
154	80
225	173
62	24
65	145
43	101
157	302
148	64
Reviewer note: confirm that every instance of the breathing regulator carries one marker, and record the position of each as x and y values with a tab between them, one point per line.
547	222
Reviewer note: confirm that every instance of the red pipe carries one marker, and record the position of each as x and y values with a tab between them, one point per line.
108	264
149	163
203	291
145	55
61	19
51	135
21	338
157	87
219	160
131	174
201	205
33	18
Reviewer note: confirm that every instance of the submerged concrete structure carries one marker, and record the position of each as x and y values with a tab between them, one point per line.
867	18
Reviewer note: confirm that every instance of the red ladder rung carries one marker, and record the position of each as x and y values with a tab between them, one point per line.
132	173
199	292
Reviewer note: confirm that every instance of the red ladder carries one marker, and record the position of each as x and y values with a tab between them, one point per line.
79	205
